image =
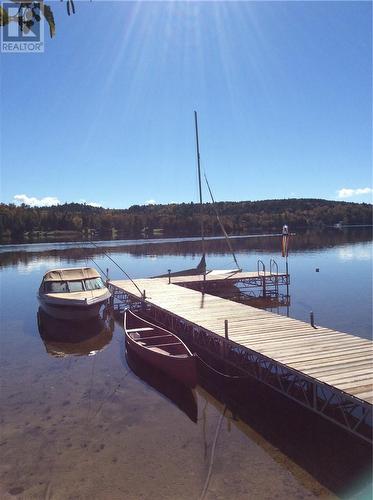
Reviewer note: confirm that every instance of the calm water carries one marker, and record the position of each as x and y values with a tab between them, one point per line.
79	420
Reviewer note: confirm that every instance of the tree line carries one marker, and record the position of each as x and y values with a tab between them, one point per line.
184	219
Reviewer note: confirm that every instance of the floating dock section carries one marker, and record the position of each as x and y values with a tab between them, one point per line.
329	372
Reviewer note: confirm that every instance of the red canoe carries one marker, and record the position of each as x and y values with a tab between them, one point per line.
160	348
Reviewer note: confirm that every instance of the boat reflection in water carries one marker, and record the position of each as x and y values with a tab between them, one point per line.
177	393
74	338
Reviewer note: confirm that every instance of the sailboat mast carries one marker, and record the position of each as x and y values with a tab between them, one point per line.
199	184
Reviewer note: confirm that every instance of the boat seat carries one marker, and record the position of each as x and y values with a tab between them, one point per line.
160	351
144	340
135	336
164	345
158	336
164	352
145	329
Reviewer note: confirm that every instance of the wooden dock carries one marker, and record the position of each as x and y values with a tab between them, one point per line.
328	371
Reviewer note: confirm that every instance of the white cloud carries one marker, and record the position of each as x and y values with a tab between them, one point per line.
90	203
47	201
348	192
150	202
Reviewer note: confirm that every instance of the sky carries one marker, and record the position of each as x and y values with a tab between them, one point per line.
283	92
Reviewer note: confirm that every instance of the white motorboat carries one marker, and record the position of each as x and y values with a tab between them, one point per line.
75	293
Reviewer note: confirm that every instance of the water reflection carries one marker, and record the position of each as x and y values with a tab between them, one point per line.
12	255
68	338
177	393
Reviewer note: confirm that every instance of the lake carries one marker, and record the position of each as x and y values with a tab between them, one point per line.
80	420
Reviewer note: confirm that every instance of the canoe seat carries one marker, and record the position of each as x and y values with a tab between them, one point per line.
163	345
160	351
145	329
159	336
148	341
164	352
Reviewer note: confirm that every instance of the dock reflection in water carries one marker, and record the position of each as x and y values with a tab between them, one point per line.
180	395
74	338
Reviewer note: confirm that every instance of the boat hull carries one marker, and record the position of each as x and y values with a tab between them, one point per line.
182	368
69	312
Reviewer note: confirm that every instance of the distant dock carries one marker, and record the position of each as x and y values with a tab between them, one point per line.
327	371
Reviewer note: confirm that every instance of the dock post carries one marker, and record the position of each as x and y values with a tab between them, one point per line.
312	319
226	329
143	305
287	277
169	276
264	287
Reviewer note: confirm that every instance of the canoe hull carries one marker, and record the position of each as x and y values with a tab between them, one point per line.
182	368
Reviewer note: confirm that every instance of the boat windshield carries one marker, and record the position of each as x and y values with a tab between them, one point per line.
75	286
56	287
63	286
94	284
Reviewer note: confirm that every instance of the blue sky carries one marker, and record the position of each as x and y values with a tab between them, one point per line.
283	92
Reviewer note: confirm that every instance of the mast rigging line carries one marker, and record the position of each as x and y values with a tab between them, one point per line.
212	198
95	263
220	222
199	183
123	271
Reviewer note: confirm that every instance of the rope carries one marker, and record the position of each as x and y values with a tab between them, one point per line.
95	263
236	377
221	224
204	491
123	271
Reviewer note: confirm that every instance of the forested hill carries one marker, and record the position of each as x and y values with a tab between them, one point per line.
181	219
